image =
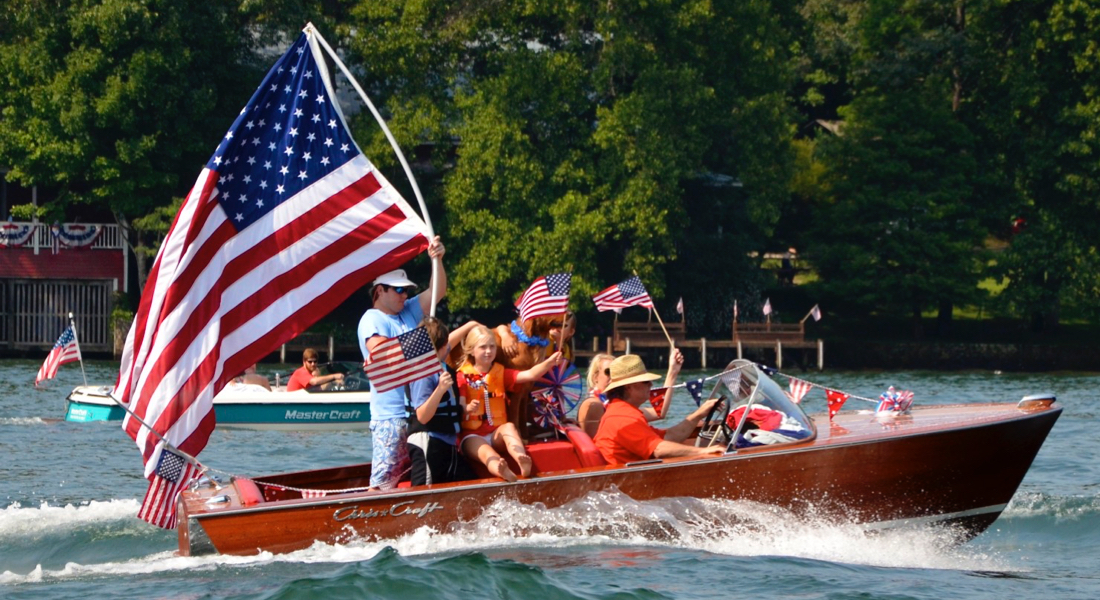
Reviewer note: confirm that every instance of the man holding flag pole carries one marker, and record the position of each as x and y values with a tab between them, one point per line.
286	220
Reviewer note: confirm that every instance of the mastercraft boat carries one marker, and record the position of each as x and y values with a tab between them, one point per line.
945	465
252	407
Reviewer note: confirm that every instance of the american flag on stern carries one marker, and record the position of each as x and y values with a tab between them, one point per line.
65	350
172	474
548	295
401	360
286	220
630	292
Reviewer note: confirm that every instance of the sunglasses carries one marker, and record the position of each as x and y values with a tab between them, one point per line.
607	372
404	289
311	360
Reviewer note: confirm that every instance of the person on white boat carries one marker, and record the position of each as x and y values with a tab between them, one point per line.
395	311
308	375
625	435
592	408
250	380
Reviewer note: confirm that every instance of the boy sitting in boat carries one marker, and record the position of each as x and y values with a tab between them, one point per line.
435	415
625	435
483	385
308	375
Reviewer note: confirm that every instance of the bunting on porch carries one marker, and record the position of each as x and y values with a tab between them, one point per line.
14	235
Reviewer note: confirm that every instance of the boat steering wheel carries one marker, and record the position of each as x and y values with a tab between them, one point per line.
719	411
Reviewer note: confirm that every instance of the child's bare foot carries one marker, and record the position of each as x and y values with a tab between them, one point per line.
499	467
525	465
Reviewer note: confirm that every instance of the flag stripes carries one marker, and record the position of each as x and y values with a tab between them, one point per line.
286	220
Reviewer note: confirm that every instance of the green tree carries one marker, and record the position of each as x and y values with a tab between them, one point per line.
1041	112
578	128
117	103
903	227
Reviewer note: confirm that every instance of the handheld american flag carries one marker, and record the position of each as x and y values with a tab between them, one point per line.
65	350
630	292
402	359
548	295
286	220
172	474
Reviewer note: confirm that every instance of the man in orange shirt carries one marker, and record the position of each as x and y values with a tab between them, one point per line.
625	435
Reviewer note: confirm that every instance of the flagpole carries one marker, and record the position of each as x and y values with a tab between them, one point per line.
167	444
663	328
436	262
80	355
816	306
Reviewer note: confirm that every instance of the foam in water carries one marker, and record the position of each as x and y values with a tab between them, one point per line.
733	528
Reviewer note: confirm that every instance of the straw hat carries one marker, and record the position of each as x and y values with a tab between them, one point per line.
628	369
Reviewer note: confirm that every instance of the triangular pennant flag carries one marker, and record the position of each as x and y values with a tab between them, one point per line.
815	312
657	398
768	306
695	388
799	389
836	400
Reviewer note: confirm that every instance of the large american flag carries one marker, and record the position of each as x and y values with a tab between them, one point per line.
621	295
286	220
548	295
172	474
65	350
403	359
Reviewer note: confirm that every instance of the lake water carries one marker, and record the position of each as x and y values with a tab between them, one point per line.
69	493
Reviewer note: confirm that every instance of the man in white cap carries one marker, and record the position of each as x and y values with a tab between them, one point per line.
396	310
625	435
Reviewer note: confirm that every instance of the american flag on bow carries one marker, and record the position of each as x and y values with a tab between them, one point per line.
892	400
798	389
630	292
401	360
285	221
172	474
548	295
65	350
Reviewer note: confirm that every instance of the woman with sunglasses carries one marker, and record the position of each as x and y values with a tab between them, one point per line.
591	409
306	377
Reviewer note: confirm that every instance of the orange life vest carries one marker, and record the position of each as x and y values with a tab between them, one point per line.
489	389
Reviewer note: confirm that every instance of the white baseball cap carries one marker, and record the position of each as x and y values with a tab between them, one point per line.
395	278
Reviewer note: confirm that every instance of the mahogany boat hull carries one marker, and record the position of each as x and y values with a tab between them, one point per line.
956	465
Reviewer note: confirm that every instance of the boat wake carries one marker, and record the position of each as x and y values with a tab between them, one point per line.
104	538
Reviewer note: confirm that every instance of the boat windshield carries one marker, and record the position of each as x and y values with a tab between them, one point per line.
757	412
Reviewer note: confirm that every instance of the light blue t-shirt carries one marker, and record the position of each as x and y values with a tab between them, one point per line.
391	404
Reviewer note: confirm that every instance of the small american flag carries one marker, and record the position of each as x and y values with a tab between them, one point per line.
548	295
630	292
401	360
314	493
799	389
768	306
172	474
815	312
65	350
836	400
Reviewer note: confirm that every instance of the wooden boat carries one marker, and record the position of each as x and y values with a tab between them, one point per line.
955	465
253	407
